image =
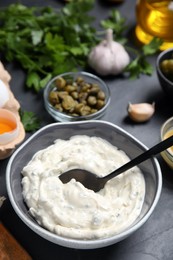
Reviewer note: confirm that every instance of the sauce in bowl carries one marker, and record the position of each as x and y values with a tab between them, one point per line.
71	210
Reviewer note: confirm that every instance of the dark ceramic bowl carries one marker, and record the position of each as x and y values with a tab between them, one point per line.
108	131
166	84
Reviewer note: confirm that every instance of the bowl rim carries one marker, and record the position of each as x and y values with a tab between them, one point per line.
158	65
71	117
77	243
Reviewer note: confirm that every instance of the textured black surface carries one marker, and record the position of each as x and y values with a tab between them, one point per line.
154	240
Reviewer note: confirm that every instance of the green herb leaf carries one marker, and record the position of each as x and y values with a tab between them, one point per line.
33	79
46	41
36	37
152	47
140	65
118	24
45	80
29	121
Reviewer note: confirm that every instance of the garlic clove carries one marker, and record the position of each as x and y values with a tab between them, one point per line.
141	112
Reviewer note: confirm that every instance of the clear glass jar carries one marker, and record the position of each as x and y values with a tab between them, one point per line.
155	18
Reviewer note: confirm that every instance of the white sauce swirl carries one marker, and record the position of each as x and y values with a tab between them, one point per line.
71	210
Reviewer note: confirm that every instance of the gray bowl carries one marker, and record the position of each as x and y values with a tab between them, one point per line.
112	133
166	84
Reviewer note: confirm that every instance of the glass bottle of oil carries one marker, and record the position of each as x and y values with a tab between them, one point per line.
155	18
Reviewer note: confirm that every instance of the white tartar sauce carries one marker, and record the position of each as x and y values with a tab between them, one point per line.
71	210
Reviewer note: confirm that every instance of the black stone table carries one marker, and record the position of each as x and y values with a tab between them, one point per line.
153	241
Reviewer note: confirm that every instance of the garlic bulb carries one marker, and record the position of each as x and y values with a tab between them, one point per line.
141	112
108	57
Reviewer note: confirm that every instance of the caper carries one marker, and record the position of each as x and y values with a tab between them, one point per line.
70	88
85	110
92	100
59	107
75	94
83	96
86	87
101	95
94	89
74	114
60	83
78	107
79	80
53	97
93	110
68	102
100	104
62	94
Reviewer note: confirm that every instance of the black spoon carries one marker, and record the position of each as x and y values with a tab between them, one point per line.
96	183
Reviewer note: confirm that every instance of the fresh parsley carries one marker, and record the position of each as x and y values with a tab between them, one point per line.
140	65
118	24
29	120
47	42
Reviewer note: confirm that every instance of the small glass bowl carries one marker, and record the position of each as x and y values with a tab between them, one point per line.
167	128
88	78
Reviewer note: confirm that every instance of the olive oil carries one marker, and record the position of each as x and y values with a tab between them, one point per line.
155	18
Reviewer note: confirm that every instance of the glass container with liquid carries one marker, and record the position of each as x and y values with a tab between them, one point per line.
155	19
167	131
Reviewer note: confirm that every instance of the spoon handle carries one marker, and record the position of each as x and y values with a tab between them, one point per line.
142	157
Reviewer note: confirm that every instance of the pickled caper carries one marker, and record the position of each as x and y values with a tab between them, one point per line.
94	89
100	104
85	110
68	102
86	87
59	107
53	97
101	95
70	88
78	107
75	94
92	100
60	83
77	98
62	94
93	110
83	96
79	80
